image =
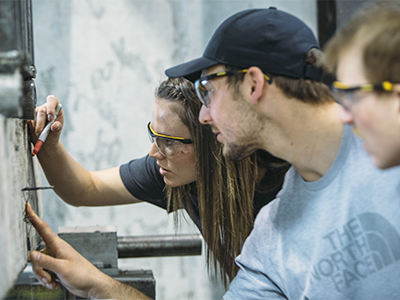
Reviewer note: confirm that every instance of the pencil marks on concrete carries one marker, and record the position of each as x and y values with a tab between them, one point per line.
96	9
100	75
105	152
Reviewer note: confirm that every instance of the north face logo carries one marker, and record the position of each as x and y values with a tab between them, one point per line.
361	247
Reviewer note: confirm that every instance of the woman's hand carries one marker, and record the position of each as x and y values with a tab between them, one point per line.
44	114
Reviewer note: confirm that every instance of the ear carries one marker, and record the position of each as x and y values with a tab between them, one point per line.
397	94
257	83
397	89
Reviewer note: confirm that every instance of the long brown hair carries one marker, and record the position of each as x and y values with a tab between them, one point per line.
224	189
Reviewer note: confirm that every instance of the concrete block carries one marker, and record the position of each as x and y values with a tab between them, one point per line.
98	244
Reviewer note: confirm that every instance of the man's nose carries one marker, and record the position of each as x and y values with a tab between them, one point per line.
205	116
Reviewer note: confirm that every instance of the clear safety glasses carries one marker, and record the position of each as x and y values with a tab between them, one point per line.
347	95
168	146
204	88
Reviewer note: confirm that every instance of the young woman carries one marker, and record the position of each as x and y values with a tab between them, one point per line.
184	169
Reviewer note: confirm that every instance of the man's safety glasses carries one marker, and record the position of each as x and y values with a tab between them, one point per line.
347	95
204	88
168	145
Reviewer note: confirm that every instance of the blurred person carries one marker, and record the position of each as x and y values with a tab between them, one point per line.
365	57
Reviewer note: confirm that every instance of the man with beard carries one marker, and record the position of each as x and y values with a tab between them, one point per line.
333	231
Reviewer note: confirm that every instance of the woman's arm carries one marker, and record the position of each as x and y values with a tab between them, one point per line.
72	182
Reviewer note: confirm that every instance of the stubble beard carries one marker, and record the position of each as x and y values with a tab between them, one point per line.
246	140
235	152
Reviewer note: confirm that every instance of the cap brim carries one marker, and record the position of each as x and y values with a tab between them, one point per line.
191	70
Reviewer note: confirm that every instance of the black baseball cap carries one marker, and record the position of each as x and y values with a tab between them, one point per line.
273	40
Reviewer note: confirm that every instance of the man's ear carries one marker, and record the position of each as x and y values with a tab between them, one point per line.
397	94
257	83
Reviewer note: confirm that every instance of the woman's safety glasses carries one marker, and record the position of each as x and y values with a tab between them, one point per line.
204	88
347	95
168	146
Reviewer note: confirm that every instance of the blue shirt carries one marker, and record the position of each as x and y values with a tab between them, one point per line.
335	238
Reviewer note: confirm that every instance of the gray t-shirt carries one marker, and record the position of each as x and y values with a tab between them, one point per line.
336	238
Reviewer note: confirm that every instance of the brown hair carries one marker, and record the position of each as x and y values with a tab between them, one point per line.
224	189
376	30
305	90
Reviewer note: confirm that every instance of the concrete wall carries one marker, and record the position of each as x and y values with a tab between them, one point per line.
103	59
16	172
16	165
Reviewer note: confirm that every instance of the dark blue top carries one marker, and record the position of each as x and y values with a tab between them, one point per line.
143	180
